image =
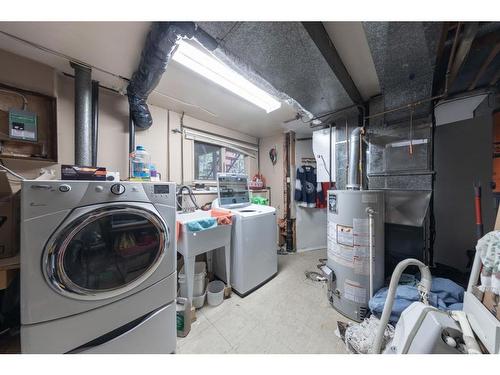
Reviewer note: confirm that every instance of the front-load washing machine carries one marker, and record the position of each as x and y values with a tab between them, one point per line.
254	237
98	267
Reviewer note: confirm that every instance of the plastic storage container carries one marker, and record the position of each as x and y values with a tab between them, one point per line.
140	162
200	272
215	292
199	301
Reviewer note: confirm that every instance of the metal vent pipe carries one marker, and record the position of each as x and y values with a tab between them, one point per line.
354	157
95	121
83	114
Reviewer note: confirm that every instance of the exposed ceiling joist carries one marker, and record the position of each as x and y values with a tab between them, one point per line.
469	33
442	41
320	37
494	52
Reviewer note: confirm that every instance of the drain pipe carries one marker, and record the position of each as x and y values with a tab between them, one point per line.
95	121
354	157
83	114
131	141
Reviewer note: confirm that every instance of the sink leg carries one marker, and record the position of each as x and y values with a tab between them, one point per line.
227	254
210	261
189	270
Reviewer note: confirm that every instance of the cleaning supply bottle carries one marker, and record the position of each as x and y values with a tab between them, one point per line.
140	162
155	176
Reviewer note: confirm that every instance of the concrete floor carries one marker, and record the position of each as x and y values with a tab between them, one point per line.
289	314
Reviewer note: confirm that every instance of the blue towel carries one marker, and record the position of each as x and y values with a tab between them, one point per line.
445	295
201	224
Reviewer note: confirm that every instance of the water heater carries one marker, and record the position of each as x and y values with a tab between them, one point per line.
355	249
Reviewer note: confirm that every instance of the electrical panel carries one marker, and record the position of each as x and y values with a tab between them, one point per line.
23	125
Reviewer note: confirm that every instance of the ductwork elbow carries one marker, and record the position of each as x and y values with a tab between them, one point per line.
160	44
354	158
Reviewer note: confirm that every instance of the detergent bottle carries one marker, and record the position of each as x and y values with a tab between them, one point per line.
140	162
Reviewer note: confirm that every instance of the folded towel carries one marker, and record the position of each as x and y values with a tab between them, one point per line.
201	224
223	217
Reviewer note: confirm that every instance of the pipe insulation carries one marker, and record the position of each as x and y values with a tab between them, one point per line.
83	114
160	44
354	157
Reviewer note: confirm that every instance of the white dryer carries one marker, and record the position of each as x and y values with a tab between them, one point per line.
254	237
98	267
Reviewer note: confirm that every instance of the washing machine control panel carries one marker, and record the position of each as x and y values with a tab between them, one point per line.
117	189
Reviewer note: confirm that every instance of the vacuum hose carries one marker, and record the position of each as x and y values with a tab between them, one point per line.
424	288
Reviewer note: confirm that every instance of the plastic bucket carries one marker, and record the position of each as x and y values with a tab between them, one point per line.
215	292
199	301
198	283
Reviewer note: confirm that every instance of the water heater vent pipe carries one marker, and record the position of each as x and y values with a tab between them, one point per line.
354	160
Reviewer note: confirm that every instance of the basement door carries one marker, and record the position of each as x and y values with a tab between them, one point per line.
462	156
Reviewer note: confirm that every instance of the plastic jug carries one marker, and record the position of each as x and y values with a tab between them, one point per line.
140	162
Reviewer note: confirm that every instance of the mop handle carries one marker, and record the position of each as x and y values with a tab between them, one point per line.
477	203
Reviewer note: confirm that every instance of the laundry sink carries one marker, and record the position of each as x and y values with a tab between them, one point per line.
194	243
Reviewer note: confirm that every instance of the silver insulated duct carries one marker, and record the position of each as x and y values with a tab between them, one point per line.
354	155
83	115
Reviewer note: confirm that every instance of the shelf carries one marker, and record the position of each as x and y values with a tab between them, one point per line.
45	109
11	263
30	158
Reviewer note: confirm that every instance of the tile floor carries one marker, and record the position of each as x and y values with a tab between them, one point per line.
289	314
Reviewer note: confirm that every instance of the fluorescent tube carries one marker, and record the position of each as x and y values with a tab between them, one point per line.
211	68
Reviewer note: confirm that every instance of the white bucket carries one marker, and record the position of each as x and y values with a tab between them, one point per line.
215	292
199	301
198	283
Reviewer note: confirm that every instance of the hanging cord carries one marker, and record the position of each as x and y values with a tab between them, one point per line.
25	100
2	166
191	195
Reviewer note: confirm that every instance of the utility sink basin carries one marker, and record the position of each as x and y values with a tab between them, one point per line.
194	243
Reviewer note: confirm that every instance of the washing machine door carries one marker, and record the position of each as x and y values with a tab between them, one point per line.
105	251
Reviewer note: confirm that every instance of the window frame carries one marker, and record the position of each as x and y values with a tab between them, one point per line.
221	164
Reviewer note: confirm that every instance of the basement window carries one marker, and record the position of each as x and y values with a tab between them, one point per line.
210	159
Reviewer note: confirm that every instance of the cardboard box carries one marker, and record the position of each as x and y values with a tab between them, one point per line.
9	219
492	302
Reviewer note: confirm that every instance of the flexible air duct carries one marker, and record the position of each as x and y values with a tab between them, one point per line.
160	43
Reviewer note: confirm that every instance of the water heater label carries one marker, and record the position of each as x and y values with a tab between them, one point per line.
332	203
354	291
345	235
361	247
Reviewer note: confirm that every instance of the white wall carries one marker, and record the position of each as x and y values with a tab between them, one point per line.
310	222
274	173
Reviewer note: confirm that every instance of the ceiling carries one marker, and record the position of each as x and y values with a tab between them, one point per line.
397	59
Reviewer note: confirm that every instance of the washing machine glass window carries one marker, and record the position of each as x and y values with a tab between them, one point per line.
105	252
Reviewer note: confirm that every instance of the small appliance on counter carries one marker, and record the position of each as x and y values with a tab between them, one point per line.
83	173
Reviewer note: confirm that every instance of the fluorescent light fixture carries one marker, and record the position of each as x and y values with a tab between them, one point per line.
209	67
